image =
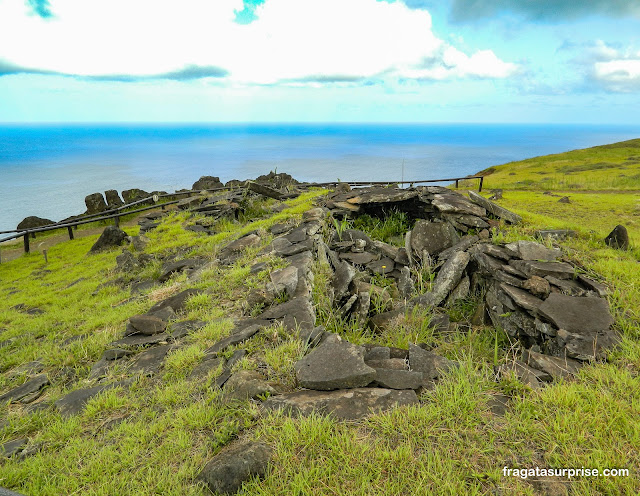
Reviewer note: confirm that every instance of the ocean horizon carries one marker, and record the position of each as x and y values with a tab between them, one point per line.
48	169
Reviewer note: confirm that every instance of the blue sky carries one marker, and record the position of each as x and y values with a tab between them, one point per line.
537	61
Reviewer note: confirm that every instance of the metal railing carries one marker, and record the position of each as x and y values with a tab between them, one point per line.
116	213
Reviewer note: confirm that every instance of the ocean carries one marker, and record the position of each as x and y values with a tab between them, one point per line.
47	170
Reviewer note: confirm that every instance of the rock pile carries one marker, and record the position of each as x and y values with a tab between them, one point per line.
528	290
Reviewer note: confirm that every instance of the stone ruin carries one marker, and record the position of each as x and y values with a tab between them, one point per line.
559	316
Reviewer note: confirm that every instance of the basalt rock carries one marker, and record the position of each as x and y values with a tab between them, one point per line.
110	238
95	203
618	238
33	222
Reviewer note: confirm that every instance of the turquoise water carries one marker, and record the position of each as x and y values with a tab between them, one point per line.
47	170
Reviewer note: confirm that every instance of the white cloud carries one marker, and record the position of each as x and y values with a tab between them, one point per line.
613	69
291	41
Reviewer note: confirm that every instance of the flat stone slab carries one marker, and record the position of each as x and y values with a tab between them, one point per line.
530	268
141	340
556	367
458	204
334	365
12	448
343	404
74	402
30	387
295	313
176	301
575	314
236	338
382	195
449	276
398	379
530	250
494	208
147	324
150	361
522	298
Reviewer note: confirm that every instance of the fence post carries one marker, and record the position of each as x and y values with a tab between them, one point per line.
117	221
480	187
26	242
70	231
456	184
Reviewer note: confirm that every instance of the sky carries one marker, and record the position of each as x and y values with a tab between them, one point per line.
506	61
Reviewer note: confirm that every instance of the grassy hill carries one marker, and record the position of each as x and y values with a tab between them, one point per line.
607	167
154	435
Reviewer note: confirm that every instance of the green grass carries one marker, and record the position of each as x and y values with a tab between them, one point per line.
155	437
607	167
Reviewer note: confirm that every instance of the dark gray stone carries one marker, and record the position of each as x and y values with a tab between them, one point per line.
134	194
30	387
406	285
334	365
586	346
343	404
527	375
32	222
115	354
95	203
382	267
149	362
530	250
555	367
432	237
110	238
239	245
377	353
498	404
576	314
494	208
501	252
618	238
566	286
207	182
296	313
176	301
341	279
530	268
209	364
178	266
113	198
235	464
285	280
449	276
398	379
522	298
226	372
247	385
74	402
13	448
234	339
358	258
147	324
429	364
139	340
464	244
455	203
181	329
595	286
